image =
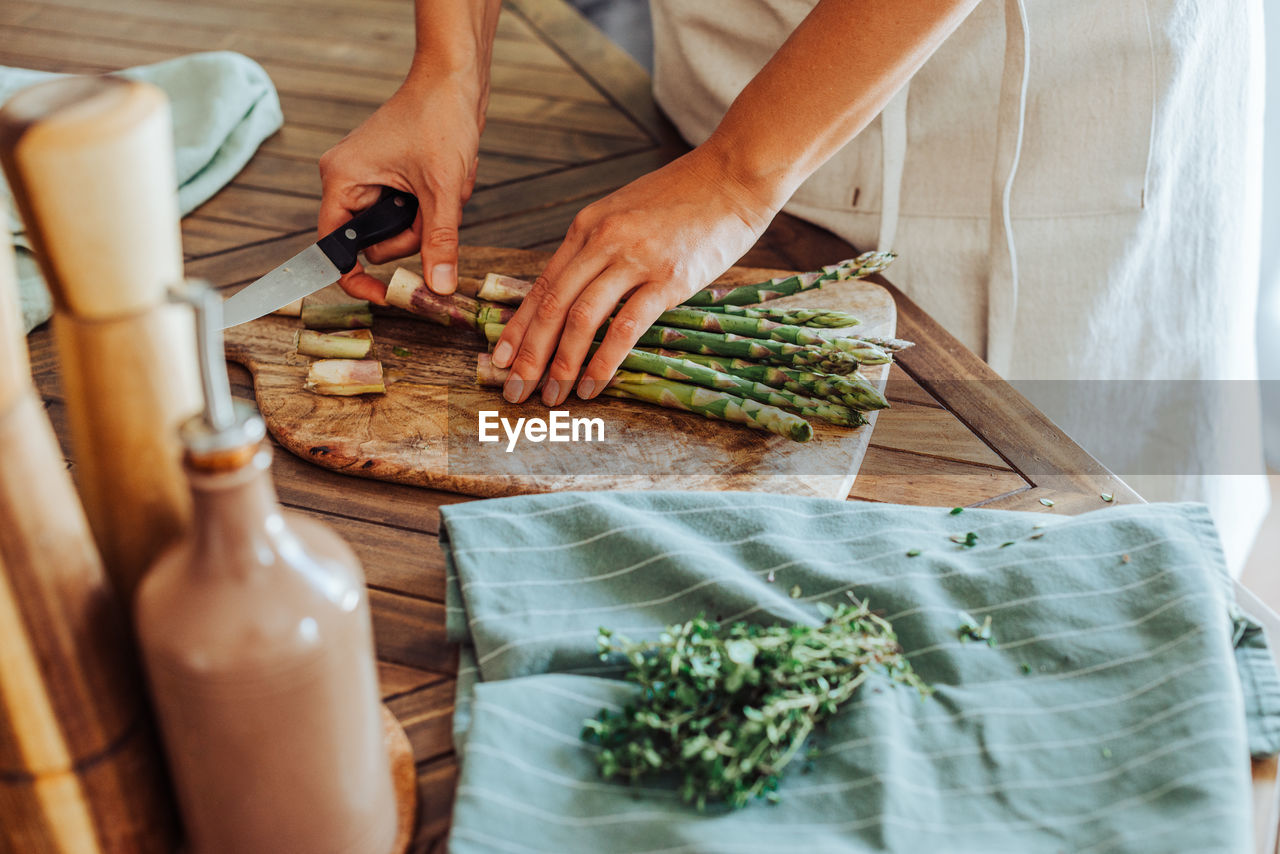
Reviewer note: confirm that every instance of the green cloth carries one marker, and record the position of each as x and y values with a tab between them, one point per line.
1113	714
223	107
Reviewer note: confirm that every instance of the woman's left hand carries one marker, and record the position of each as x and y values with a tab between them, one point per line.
653	243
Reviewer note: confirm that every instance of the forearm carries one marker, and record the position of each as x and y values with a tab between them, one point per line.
825	84
454	38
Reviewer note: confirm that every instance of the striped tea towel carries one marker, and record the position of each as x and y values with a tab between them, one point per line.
1116	711
223	106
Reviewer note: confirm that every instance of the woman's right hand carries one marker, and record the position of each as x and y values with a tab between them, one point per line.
424	140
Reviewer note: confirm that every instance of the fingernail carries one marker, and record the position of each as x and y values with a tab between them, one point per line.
443	279
551	392
502	354
511	391
587	389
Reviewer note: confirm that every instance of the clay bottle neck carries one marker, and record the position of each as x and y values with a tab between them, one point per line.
237	523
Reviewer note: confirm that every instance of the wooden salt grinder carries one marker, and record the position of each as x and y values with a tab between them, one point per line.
79	768
90	162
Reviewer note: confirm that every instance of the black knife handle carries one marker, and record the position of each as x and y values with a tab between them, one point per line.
392	213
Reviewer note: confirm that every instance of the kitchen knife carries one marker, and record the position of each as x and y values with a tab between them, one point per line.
324	262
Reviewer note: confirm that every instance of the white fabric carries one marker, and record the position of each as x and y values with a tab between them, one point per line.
1079	205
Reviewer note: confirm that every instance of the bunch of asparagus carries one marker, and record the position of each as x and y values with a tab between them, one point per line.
767	368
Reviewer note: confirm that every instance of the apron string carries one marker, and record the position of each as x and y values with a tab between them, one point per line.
1002	278
893	161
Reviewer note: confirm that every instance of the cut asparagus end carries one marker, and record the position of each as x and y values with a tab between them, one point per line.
504	289
345	377
293	309
347	344
347	315
407	290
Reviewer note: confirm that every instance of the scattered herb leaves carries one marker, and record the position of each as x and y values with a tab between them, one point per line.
1106	753
1047	502
1026	668
400	351
956	511
913	552
968	540
795	592
725	709
1006	543
969	629
1108	497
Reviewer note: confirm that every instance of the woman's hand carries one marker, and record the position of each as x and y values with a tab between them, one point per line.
653	243
424	140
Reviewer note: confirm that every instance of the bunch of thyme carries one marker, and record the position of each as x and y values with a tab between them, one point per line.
726	709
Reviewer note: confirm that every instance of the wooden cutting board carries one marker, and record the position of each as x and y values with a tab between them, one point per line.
424	430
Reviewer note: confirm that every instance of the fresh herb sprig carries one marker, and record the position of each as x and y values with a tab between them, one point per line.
725	709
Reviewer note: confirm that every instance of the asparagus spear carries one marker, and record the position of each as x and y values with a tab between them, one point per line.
672	366
851	390
345	377
825	359
824	318
408	291
683	370
709	403
347	315
506	289
750	327
347	344
669	394
855	268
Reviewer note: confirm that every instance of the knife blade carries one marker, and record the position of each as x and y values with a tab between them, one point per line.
324	262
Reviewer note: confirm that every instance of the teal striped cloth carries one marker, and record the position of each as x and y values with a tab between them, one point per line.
1116	712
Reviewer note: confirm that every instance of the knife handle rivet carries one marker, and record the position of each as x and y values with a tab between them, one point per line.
350	234
398	201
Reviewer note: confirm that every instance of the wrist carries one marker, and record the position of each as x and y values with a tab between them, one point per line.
767	182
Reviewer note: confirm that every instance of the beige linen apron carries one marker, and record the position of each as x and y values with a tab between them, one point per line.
1073	191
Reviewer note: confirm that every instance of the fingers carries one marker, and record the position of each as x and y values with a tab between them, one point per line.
509	343
544	321
441	215
636	315
361	285
592	308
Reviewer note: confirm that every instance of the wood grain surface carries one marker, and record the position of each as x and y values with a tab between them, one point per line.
424	430
570	119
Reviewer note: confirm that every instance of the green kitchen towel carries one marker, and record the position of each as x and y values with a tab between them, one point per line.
1114	712
223	107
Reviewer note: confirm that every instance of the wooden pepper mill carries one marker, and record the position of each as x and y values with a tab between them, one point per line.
90	163
79	769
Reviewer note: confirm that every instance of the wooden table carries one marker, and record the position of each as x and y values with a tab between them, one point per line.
570	119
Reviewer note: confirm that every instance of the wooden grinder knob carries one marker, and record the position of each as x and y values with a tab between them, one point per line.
90	162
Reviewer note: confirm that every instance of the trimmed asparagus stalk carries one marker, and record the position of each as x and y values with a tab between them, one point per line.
822	318
749	327
347	315
293	309
345	377
504	289
893	345
683	370
825	359
710	404
347	344
720	405
855	268
851	390
409	292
